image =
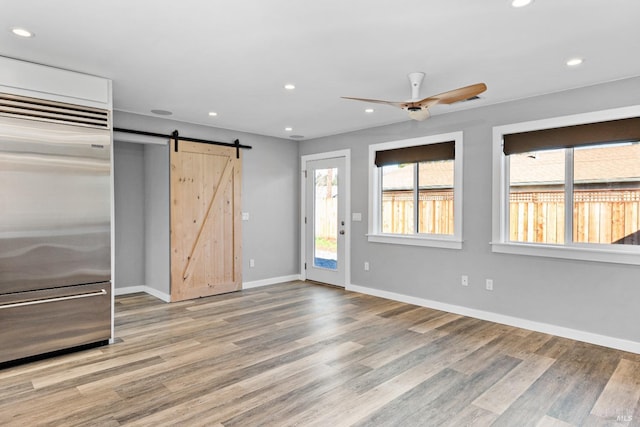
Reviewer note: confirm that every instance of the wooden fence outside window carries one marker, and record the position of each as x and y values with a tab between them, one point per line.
435	212
538	217
598	217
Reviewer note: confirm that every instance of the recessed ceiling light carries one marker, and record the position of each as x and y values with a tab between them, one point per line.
288	129
213	113
162	112
289	86
521	3
21	32
369	110
574	62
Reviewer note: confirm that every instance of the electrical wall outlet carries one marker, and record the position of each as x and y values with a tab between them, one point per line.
252	262
465	280
489	284
366	266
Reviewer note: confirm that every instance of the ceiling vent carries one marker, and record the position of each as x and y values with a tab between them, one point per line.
56	112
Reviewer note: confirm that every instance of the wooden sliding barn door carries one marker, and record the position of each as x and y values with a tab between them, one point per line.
206	256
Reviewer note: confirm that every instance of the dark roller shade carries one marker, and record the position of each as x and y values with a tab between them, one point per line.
418	153
573	136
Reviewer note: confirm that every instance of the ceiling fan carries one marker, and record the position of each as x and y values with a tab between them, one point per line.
418	109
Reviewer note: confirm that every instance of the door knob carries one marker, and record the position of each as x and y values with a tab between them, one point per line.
341	231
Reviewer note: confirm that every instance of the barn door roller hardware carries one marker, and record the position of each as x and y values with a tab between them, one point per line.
175	136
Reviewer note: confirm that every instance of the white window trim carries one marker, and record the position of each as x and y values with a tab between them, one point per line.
500	235
429	240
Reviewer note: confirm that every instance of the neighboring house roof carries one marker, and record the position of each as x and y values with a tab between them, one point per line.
432	174
618	163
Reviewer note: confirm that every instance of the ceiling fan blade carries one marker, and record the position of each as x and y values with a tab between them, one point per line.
426	103
378	101
455	95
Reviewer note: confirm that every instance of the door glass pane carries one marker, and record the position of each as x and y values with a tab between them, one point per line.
398	198
536	197
606	194
325	233
435	198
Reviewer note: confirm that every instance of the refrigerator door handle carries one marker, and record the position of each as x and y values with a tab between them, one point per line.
48	300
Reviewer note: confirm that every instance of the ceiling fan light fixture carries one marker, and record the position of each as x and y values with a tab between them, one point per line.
418	114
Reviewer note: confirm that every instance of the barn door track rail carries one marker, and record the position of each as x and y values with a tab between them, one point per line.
176	136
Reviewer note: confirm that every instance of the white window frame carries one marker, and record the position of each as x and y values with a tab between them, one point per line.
500	243
430	240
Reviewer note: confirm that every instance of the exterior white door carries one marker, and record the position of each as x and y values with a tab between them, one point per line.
325	222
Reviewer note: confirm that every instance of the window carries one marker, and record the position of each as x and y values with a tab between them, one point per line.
569	191
536	196
416	191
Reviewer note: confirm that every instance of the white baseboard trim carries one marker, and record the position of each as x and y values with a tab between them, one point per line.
146	289
167	298
574	334
271	281
129	290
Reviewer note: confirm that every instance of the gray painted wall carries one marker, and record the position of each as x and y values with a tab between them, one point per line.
157	267
128	176
593	297
270	194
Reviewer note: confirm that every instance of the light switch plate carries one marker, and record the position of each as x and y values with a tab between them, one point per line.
489	284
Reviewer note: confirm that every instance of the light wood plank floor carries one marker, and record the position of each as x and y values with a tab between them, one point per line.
309	355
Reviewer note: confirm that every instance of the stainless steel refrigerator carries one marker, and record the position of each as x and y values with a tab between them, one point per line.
55	210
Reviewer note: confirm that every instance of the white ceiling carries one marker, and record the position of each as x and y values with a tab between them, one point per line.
234	56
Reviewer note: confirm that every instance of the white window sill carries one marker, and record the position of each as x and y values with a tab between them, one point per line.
432	242
622	255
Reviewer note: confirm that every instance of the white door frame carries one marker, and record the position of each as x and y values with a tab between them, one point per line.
347	209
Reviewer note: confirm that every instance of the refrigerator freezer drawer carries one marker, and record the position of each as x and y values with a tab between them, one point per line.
37	322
